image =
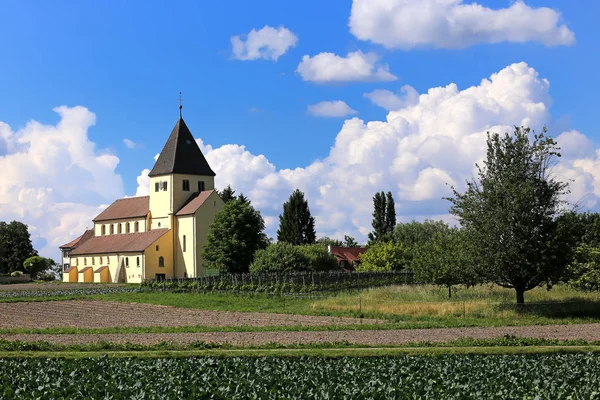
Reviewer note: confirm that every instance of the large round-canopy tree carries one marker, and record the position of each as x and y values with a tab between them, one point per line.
511	212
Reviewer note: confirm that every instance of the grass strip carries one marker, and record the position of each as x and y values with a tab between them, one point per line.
310	352
503	341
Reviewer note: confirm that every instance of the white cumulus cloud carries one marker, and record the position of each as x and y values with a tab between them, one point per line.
55	179
268	43
391	101
130	144
336	108
454	24
416	153
356	66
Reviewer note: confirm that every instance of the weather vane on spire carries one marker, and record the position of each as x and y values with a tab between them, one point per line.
180	104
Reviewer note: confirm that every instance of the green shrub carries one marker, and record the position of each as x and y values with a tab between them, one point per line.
319	259
16	273
280	257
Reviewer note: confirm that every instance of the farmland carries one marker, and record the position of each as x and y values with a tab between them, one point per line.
96	341
556	376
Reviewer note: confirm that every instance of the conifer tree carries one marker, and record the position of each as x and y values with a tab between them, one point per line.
296	225
384	218
227	194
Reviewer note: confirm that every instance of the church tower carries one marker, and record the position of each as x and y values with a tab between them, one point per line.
180	171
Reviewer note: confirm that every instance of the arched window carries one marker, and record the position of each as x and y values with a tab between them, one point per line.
103	230
100	260
127	227
93	260
127	262
119	228
112	229
137	226
84	260
184	246
137	261
161	261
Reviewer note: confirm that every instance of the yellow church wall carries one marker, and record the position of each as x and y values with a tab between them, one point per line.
86	274
102	276
164	203
180	196
152	254
205	215
184	260
133	263
71	276
122	223
160	202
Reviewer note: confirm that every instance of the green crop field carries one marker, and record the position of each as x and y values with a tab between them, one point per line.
551	376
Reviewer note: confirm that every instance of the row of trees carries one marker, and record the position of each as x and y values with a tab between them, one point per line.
237	243
17	254
516	228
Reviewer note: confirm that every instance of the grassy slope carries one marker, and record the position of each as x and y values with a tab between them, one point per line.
424	306
309	352
403	307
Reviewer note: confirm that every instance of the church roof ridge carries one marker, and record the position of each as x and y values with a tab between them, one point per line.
181	155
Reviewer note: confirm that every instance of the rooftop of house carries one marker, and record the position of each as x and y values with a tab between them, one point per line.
348	253
78	241
127	242
194	202
130	207
181	155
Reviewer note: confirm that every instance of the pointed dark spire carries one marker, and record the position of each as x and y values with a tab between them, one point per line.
181	154
180	105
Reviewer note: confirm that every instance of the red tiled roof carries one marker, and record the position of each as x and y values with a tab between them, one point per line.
138	241
133	207
347	253
70	269
101	269
81	239
194	202
84	269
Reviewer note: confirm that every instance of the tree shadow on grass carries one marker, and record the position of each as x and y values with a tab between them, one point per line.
563	309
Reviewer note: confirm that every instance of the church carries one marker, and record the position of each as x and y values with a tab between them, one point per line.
157	236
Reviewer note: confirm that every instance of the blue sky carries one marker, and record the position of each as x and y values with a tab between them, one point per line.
127	61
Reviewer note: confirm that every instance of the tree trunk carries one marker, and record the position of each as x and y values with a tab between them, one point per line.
520	295
449	292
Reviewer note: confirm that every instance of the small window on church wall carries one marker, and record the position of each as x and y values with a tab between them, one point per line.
186	185
137	226
107	260
93	260
84	260
156	185
184	246
112	229
156	247
127	262
200	186
127	227
137	261
101	260
119	228
103	230
161	261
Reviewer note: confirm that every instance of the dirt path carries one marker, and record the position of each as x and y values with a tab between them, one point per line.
106	314
390	337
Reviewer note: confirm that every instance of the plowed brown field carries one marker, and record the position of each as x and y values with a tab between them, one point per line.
589	332
106	314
